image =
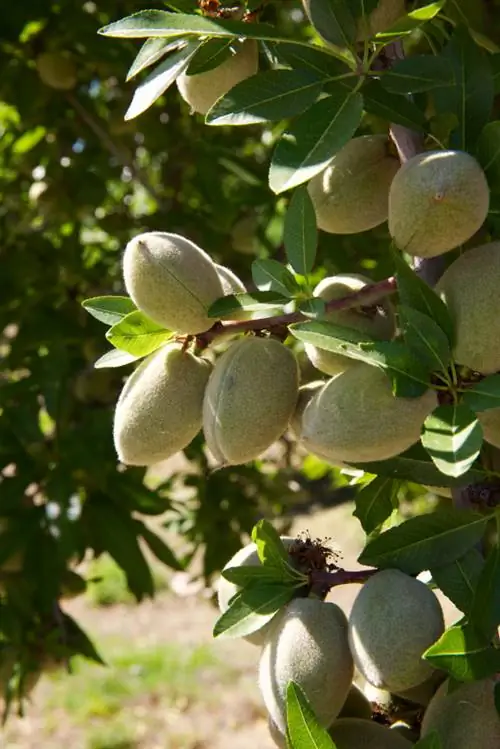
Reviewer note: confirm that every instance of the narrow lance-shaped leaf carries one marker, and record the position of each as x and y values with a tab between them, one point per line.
485	613
453	438
314	58
464	654
458	579
137	334
307	147
253	607
419	73
407	24
115	358
483	395
425	339
246	574
375	502
270	547
257	301
271	95
425	541
393	107
304	729
109	309
159	80
270	275
151	51
209	56
300	234
333	21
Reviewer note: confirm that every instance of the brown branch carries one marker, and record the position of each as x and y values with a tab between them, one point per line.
366	297
322	581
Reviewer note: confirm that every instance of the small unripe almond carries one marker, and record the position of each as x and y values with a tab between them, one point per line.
306	392
376	322
159	410
356	733
393	621
231	284
352	194
250	398
308	645
202	90
172	280
56	70
437	201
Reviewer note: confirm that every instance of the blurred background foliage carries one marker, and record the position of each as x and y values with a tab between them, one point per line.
76	183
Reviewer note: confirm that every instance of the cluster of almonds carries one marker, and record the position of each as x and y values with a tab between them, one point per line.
351	668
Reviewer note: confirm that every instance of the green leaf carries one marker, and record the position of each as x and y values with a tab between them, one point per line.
300	234
304	729
483	395
306	148
420	73
137	334
488	152
115	358
253	607
109	309
375	502
270	547
159	548
333	21
485	614
431	741
314	307
77	641
256	301
416	465
470	98
464	654
392	107
160	79
425	339
407	24
409	379
151	51
271	95
458	579
425	541
415	293
495	67
313	58
209	56
453	438
270	275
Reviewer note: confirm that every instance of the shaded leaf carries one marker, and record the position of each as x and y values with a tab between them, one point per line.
375	502
300	234
316	59
137	334
78	641
254	302
419	73
271	95
333	21
392	107
425	339
109	309
209	56
272	276
485	614
314	307
431	741
483	395
159	548
307	147
453	438
458	579
488	152
151	51
304	729
159	80
425	541
464	654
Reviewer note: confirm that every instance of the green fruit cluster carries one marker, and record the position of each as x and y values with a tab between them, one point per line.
202	90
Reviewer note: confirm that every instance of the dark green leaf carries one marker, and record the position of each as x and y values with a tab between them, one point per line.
304	729
431	741
333	21
271	95
254	302
425	541
425	339
314	307
151	51
495	68
253	607
159	548
485	614
115	358
415	293
160	79
212	54
470	98
272	276
419	73
137	334
307	147
458	579
270	547
109	309
78	641
407	24
453	438
392	107
464	654
488	152
316	59
409	378
300	234
375	502
483	395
